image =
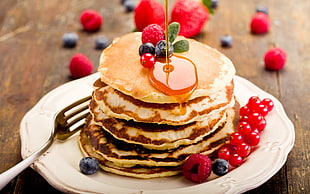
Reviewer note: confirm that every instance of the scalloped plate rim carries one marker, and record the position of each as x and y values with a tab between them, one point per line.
43	167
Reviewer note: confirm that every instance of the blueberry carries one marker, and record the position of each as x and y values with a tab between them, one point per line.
70	40
89	165
214	3
226	41
101	42
262	9
129	5
160	49
147	48
220	167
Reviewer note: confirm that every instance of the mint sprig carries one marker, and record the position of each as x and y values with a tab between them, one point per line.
208	5
173	31
181	46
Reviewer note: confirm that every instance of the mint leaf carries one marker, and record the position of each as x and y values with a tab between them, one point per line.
181	46
173	31
208	5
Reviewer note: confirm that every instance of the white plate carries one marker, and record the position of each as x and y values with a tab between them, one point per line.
60	165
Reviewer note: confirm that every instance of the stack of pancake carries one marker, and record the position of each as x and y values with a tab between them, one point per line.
138	131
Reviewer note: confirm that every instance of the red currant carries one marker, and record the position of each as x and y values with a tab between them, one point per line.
236	138
243	149
255	130
268	103
147	60
254	119
244	128
224	153
261	125
252	139
244	118
262	110
253	102
244	111
235	160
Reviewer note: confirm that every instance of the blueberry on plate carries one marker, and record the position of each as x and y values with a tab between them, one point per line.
70	40
101	42
89	165
220	167
147	48
226	41
160	49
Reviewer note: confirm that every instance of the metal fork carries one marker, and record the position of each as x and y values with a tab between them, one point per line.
66	123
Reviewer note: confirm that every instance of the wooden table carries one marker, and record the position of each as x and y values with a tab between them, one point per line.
33	62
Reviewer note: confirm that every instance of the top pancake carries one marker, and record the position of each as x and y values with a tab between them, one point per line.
120	68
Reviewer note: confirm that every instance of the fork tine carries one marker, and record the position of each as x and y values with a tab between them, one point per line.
77	119
63	124
75	112
74	104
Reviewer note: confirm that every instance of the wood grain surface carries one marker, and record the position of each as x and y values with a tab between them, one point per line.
33	62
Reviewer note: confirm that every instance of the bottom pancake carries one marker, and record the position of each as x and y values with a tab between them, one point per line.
133	160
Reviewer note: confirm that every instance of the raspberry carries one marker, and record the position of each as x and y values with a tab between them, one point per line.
260	23
275	59
149	12
197	168
91	20
80	66
153	33
192	15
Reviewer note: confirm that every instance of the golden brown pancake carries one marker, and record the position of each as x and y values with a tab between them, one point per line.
113	103
136	130
127	159
121	69
156	136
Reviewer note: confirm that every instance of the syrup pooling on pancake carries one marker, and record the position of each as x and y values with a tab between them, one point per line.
177	77
174	75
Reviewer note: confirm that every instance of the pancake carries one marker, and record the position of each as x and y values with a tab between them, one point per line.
113	103
121	69
129	159
155	136
136	130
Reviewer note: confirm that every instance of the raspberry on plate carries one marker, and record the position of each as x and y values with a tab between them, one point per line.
260	23
153	33
197	168
91	20
275	59
149	12
191	15
80	66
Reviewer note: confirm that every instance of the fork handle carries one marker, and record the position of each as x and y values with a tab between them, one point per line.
11	173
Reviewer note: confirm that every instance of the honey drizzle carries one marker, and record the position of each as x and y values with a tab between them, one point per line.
167	68
181	95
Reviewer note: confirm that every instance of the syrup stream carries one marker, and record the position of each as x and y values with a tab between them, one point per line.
175	75
167	68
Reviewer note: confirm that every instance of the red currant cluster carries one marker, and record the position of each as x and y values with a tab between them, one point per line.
252	122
